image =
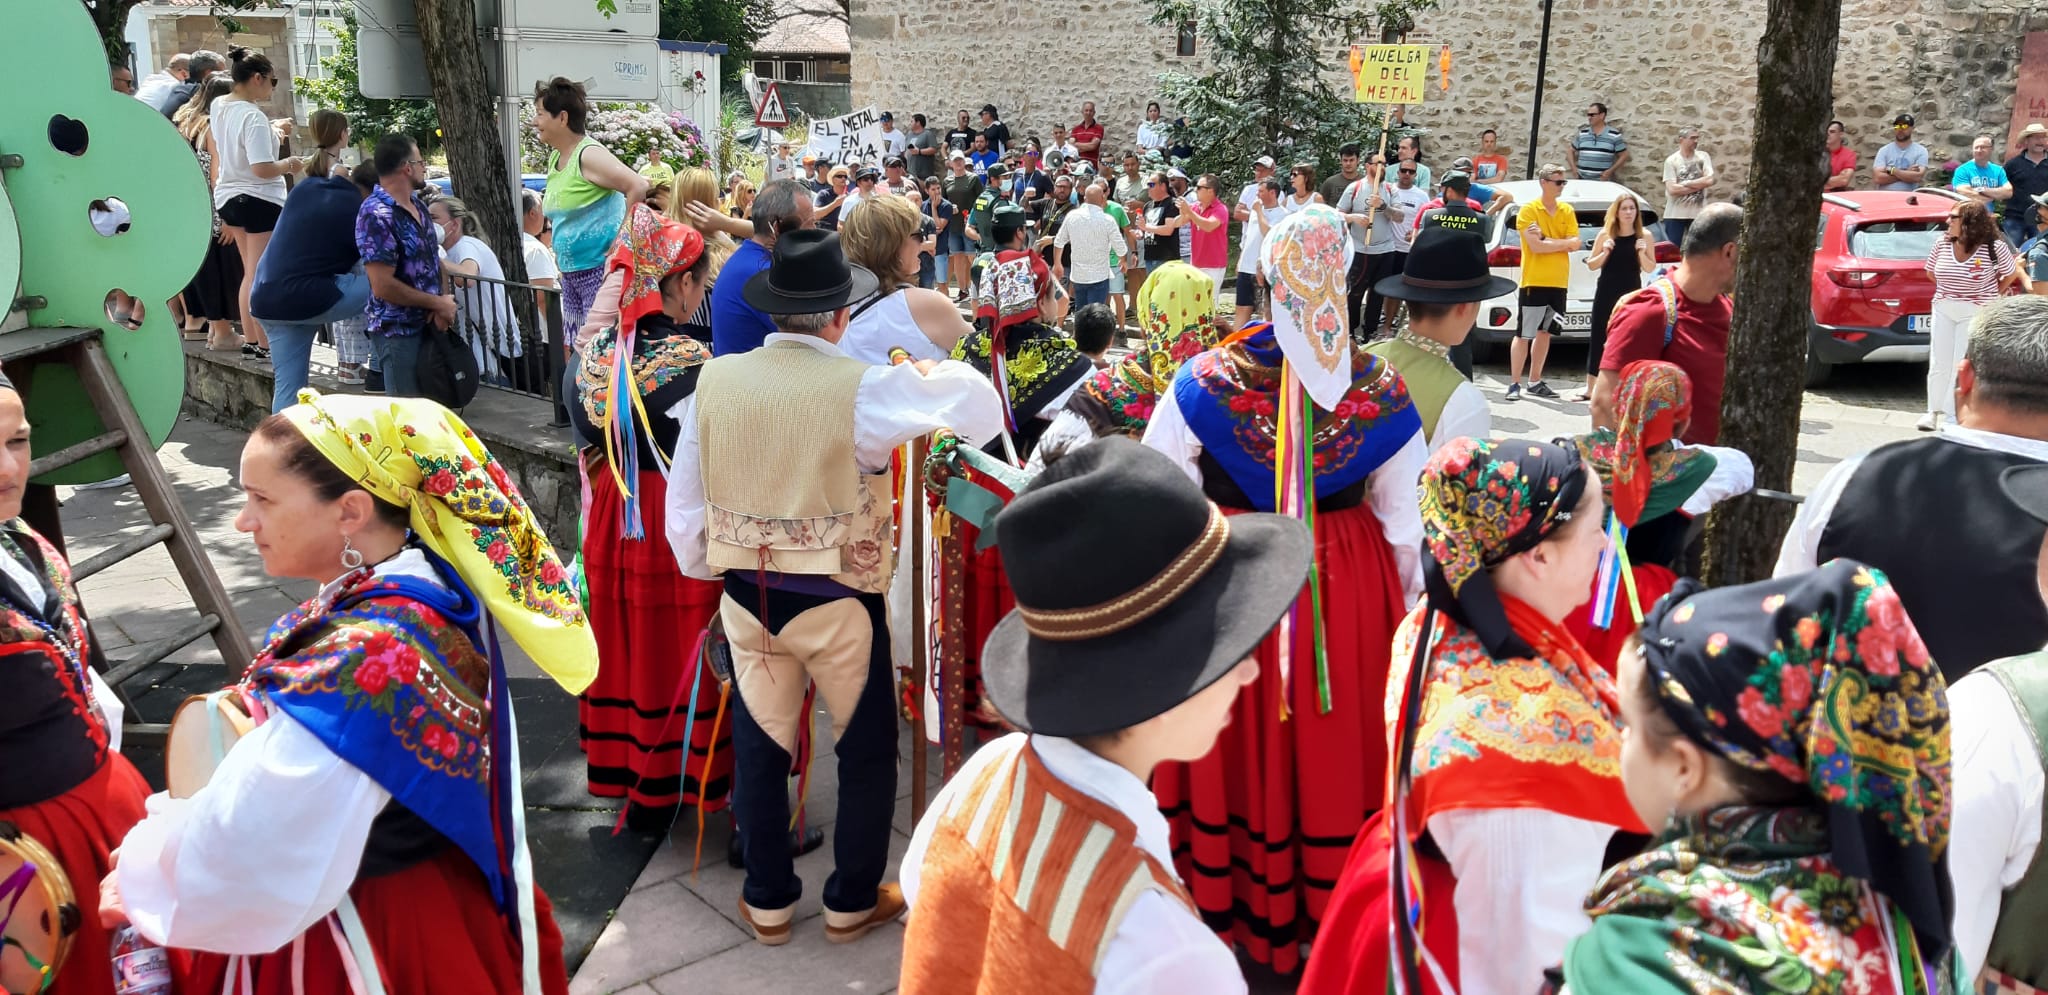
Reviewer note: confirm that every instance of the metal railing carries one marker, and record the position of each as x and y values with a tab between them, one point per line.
515	332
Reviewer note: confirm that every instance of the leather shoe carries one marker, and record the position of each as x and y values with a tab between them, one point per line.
846	927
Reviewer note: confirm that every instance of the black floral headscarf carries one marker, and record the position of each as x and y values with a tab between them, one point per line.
1820	678
1483	502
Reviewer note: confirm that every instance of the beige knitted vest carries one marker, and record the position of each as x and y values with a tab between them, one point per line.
782	490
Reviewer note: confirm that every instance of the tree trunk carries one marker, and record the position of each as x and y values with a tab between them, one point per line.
469	126
1773	310
111	18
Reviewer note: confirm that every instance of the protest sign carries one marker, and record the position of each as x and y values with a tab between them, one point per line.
848	138
1390	74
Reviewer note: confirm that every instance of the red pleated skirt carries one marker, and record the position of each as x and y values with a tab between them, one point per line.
647	616
432	928
1352	952
1652	582
1261	825
81	827
986	591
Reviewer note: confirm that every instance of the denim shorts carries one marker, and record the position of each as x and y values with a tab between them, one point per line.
954	239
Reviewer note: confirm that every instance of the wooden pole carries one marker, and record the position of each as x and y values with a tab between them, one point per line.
920	637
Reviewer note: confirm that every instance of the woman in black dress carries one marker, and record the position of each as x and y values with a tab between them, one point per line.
1621	255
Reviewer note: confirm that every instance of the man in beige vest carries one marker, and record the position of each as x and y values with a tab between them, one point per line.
780	483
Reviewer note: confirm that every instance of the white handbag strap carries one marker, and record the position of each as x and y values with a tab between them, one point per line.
522	857
360	961
214	720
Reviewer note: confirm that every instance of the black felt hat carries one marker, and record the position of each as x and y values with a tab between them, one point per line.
1445	266
808	274
1134	592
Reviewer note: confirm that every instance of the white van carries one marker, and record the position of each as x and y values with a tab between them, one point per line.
1500	318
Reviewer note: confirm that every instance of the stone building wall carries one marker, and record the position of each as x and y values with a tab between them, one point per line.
1657	64
170	33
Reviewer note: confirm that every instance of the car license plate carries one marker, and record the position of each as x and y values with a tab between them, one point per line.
1918	323
1580	322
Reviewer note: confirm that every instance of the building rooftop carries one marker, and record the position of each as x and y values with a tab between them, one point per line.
802	27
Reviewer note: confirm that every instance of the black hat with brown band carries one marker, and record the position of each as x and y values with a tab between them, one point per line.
1134	592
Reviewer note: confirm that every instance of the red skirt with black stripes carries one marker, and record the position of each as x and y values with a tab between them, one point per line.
1262	825
647	616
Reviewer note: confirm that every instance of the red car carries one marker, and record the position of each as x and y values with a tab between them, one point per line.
1871	291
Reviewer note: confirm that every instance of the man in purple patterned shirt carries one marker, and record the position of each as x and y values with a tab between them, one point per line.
401	254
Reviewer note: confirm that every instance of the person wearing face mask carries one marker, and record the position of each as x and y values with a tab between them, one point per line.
1803	842
1099	710
1500	824
980	218
482	311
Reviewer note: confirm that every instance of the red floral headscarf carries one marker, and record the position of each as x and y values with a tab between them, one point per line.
649	249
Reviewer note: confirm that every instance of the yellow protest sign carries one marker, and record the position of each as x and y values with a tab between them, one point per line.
1390	74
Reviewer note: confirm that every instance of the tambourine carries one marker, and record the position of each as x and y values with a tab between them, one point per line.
39	915
203	729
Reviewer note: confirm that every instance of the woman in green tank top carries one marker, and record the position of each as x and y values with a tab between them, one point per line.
589	191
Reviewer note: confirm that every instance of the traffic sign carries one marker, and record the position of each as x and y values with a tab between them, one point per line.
771	113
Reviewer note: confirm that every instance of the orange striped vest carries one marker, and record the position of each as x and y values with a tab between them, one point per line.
1024	882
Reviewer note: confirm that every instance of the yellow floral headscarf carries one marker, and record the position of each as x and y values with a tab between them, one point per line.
420	456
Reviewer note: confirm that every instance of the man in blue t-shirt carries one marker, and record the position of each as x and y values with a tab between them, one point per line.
737	326
1980	178
314	277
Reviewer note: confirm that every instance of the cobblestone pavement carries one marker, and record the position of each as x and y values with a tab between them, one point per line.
677	930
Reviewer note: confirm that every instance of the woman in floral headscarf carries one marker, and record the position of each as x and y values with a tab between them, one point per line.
1656	486
1261	825
1017	343
1505	738
1177	311
1791	739
651	689
372	821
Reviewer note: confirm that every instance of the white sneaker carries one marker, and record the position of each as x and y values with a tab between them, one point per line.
1928	422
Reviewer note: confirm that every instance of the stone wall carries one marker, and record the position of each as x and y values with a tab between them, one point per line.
1657	64
1035	61
269	34
539	457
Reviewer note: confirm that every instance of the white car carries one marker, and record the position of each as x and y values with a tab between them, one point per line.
1500	319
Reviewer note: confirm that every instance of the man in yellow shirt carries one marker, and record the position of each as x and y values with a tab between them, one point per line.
1550	234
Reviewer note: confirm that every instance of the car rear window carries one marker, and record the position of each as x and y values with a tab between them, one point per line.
1895	239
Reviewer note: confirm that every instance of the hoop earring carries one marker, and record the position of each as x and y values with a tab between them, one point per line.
351	557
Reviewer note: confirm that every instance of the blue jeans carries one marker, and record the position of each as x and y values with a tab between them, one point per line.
291	342
398	355
1674	230
2017	230
1091	293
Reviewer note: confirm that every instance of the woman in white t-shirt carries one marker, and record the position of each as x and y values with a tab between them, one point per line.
483	314
249	194
1971	266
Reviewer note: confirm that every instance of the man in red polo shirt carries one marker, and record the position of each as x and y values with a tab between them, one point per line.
1087	135
1681	319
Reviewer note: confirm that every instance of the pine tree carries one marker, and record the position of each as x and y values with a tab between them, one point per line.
1268	91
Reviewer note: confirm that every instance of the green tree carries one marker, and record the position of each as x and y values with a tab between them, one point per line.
368	118
1266	91
1795	60
737	24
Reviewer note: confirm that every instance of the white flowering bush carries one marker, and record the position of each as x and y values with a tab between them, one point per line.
630	131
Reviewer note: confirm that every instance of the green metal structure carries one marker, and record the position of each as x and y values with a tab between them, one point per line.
68	140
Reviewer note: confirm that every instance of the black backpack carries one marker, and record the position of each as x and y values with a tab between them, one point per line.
447	371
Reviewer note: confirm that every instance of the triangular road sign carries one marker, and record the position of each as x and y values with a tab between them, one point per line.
771	113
